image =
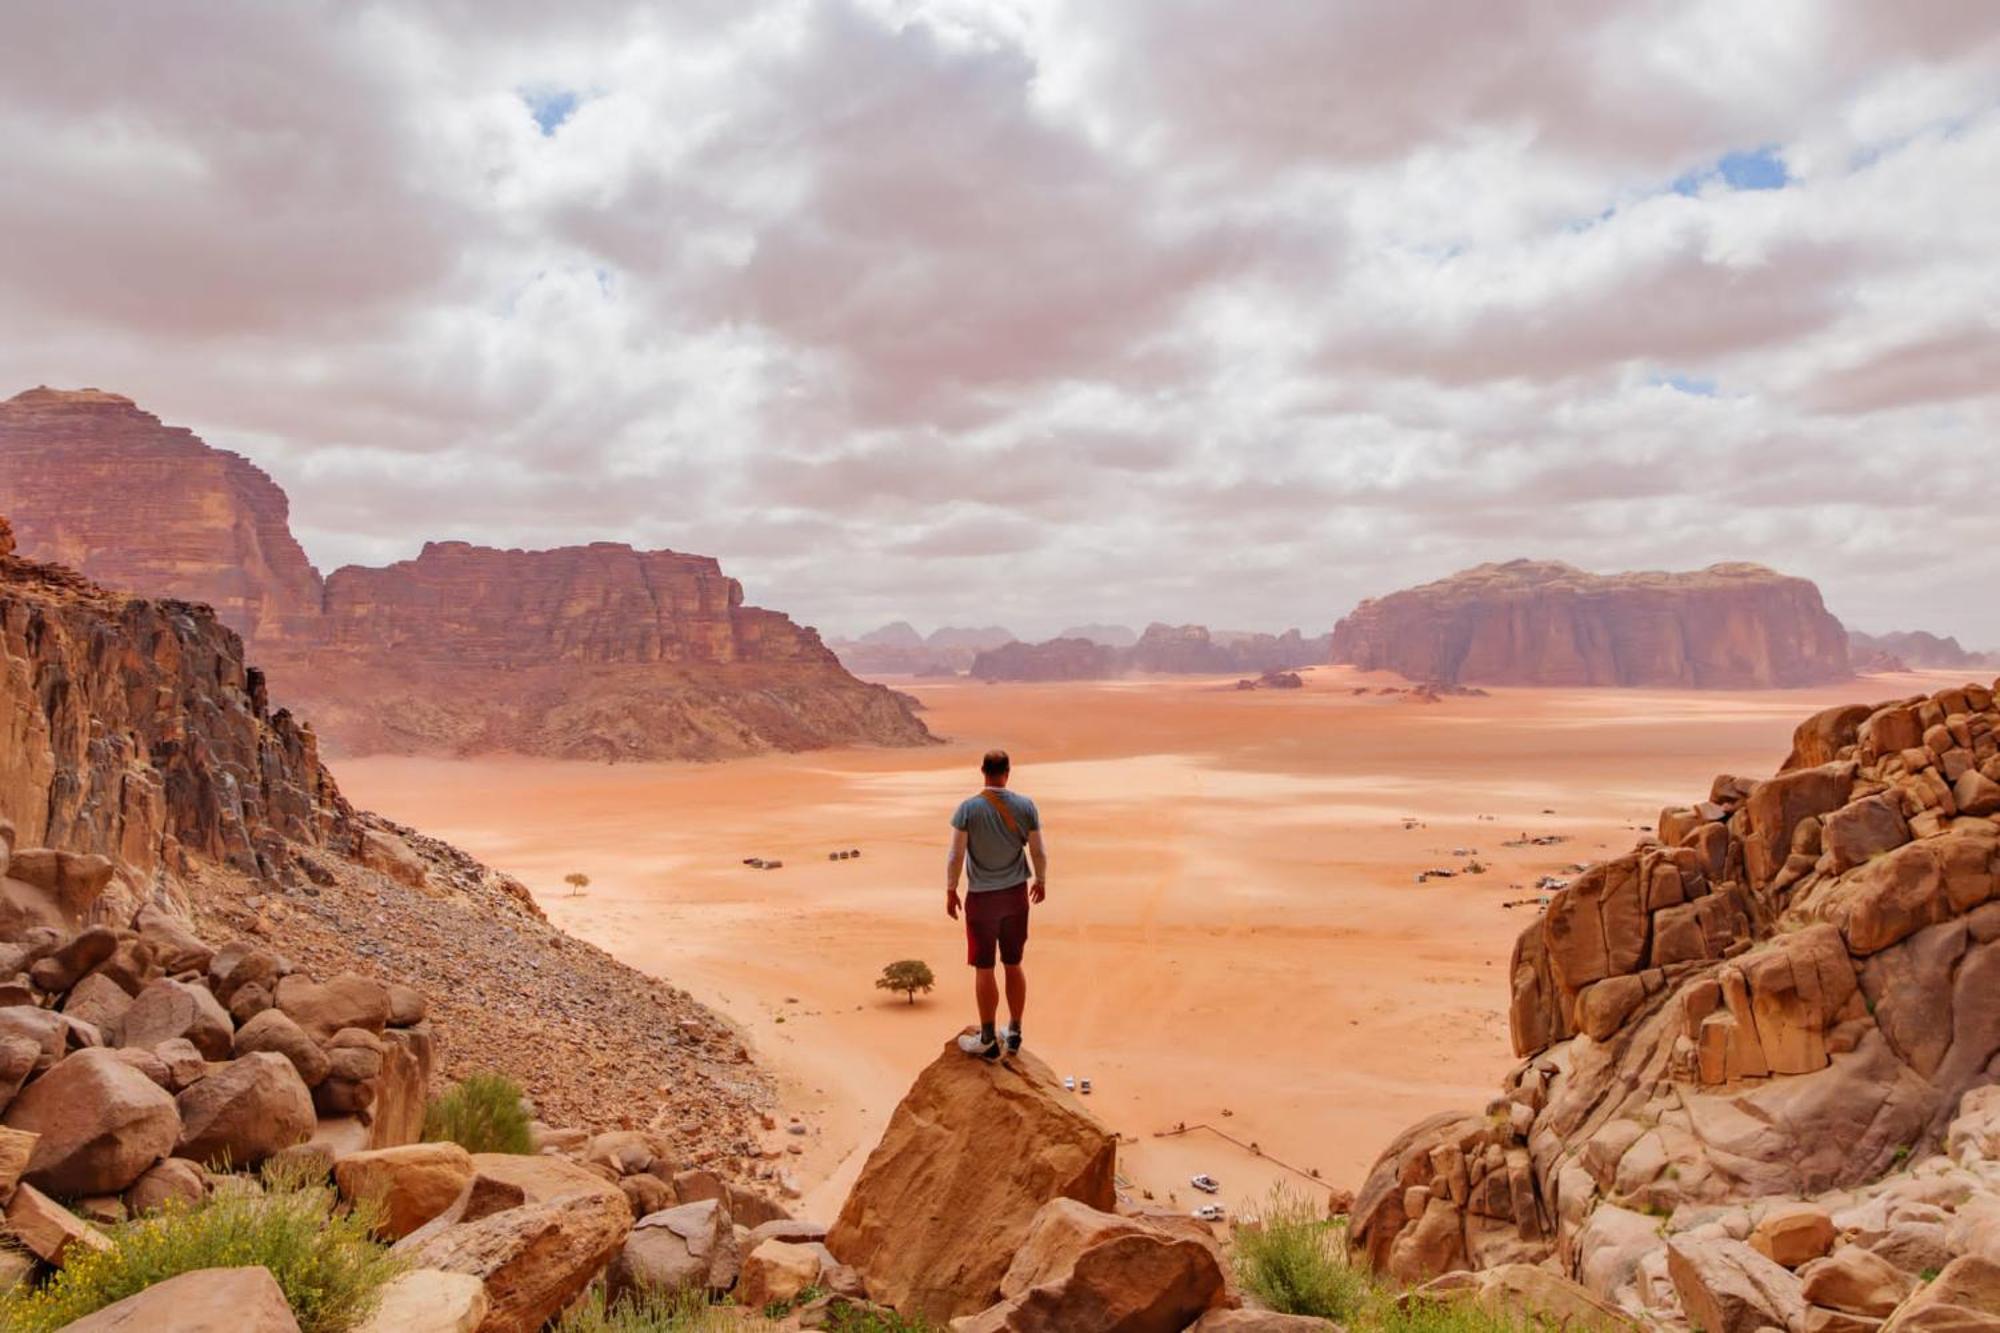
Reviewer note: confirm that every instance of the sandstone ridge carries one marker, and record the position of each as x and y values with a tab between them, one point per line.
597	651
1765	1039
1543	623
1162	649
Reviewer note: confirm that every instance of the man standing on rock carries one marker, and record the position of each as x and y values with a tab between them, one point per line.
998	831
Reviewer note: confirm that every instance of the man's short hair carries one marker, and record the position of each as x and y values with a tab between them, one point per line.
995	763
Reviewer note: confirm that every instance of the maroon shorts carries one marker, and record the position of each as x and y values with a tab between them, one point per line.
996	921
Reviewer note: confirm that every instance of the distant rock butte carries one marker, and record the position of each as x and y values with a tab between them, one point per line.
1527	622
597	651
1162	649
897	649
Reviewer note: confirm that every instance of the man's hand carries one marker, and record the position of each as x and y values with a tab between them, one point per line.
1038	892
951	903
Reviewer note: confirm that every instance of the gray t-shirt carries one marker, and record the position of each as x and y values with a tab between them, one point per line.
994	857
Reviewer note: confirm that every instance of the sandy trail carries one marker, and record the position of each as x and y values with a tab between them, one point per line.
1233	935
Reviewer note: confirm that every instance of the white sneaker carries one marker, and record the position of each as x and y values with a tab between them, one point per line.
973	1044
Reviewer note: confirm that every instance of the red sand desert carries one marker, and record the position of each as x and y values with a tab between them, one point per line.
1234	936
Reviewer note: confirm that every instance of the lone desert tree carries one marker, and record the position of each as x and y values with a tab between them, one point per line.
908	976
577	881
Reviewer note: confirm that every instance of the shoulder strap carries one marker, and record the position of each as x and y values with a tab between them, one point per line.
999	804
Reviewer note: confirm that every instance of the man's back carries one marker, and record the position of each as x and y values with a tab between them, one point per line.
997	857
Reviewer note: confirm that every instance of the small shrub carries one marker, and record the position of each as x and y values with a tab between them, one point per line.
480	1114
1420	1316
1293	1263
330	1269
846	1319
653	1312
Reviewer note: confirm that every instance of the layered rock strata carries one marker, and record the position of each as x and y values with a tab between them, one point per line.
1542	623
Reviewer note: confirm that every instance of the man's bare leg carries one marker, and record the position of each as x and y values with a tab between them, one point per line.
986	988
1017	994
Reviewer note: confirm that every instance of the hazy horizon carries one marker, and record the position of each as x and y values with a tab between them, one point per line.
954	312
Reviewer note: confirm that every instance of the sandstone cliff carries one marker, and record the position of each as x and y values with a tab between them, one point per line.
898	650
596	651
92	482
1792	992
140	759
1526	622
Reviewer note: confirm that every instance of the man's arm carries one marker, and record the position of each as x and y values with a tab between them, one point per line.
954	866
1040	856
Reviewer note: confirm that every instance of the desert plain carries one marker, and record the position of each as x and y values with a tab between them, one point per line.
1235	940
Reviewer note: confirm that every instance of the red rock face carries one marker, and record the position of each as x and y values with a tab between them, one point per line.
1732	626
94	483
596	651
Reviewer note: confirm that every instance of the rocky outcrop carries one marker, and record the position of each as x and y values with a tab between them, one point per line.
949	1195
1917	648
598	651
1785	996
1188	650
1731	626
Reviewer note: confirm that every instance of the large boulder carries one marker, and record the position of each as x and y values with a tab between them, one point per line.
324	1008
167	1009
779	1270
429	1300
1855	1281
1727	1287
534	1230
1082	1268
1513	1291
970	1156
1965	1298
102	1124
414	1183
274	1030
208	1300
689	1248
245	1111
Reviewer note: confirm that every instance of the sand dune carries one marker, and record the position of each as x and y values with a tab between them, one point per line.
1234	937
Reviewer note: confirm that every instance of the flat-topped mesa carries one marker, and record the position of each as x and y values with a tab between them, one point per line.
1544	623
604	603
95	483
598	651
1788	993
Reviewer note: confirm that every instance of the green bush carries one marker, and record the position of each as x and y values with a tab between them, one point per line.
1384	1315
850	1320
326	1263
480	1114
651	1312
1294	1262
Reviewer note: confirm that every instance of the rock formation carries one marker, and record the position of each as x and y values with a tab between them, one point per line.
898	650
1111	636
1732	626
1162	649
596	651
1918	648
1788	994
946	1199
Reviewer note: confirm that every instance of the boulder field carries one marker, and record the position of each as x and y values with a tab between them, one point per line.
1758	1052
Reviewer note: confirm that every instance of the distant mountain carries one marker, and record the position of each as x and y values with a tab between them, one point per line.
897	649
1188	650
1529	622
1111	636
1917	648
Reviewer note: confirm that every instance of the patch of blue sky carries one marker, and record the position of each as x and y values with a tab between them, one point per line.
1699	386
549	106
1750	169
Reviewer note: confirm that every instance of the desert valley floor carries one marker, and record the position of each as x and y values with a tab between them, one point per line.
1235	937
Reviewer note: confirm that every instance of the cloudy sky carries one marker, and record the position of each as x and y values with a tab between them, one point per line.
1033	311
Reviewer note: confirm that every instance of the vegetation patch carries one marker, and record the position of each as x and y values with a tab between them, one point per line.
483	1113
325	1261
